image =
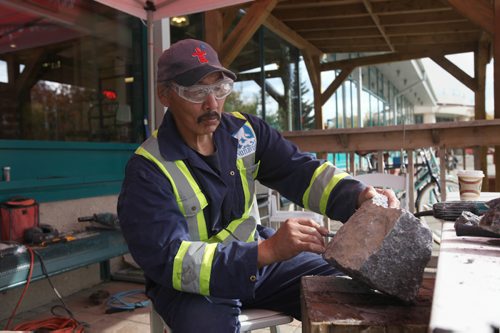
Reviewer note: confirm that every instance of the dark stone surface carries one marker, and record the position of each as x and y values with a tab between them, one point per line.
386	248
491	219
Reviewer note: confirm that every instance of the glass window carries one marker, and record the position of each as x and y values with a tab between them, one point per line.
70	71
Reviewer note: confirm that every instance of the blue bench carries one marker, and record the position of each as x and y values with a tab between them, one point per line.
88	248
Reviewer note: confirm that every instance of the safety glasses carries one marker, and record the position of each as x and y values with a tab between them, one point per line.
199	93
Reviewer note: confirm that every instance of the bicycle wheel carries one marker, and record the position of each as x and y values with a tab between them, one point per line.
427	197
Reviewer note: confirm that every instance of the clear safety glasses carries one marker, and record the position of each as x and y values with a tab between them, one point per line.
199	93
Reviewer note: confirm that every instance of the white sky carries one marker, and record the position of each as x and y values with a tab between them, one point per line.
448	89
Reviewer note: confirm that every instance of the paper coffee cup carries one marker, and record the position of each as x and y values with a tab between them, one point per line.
470	182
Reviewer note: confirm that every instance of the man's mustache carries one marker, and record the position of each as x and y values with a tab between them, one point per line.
207	116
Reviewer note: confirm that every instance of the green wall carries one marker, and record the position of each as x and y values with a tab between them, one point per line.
53	171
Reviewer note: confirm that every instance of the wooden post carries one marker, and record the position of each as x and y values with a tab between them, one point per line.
410	192
481	58
214	29
496	86
442	172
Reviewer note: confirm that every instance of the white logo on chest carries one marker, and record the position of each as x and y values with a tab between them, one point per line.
247	143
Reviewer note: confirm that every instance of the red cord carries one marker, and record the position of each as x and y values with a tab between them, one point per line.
54	324
30	273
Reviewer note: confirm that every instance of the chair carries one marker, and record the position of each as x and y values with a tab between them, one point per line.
397	183
250	319
278	216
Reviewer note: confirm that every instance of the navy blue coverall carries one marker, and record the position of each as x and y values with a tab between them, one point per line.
154	227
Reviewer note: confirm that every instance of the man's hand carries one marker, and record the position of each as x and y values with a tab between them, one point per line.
369	192
293	237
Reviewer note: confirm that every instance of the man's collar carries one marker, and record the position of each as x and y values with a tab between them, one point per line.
173	147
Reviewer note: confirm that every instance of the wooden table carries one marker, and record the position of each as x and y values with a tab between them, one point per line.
341	305
467	291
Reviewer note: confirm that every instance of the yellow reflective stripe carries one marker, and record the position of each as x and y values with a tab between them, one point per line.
219	237
238	115
202	227
317	172
143	152
206	268
328	189
200	217
244	181
177	269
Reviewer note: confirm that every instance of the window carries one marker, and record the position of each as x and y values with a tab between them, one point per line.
70	71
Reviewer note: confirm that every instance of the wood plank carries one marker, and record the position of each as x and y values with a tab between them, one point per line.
438	16
390	57
335	84
403	48
457	72
245	29
214	32
478	11
379	26
282	30
408	30
338	304
467	293
337	23
447	135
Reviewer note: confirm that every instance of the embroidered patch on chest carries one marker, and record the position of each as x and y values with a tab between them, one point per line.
247	143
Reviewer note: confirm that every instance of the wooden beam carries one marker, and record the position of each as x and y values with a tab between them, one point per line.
449	135
392	31
456	71
478	11
246	28
214	29
312	65
282	30
406	48
389	57
335	84
376	20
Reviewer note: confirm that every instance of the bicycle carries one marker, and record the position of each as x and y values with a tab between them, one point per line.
427	182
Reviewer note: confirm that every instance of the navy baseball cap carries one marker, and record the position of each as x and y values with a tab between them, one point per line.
188	61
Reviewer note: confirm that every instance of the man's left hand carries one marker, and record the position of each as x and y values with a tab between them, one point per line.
370	192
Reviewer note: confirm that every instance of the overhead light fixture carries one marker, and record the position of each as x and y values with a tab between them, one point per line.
179	21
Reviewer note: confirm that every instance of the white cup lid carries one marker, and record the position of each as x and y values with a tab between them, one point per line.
470	173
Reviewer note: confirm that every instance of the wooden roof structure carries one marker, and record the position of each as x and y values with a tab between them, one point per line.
382	31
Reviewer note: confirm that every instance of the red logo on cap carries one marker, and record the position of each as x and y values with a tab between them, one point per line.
200	55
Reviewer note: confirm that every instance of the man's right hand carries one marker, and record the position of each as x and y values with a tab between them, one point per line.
293	237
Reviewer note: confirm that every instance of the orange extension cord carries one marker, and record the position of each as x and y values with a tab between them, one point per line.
54	324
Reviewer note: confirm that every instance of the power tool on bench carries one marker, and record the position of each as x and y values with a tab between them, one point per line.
104	220
451	210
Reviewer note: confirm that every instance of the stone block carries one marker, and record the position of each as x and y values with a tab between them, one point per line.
386	248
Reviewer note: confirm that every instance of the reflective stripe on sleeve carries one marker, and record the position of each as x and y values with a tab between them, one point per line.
177	269
193	267
323	181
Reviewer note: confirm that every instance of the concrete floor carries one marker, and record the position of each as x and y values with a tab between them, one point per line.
98	321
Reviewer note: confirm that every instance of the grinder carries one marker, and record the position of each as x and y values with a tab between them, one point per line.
451	210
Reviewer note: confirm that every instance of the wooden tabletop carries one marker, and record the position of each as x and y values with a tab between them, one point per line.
336	304
467	290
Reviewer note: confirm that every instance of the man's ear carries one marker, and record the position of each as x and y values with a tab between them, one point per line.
163	95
